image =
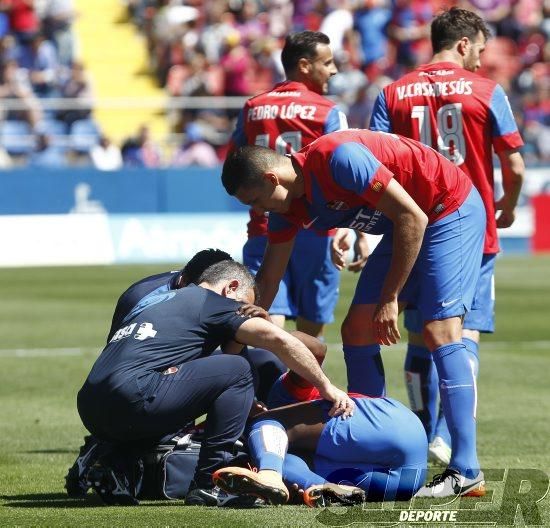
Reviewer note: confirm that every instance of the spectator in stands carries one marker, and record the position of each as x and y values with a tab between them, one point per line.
105	155
237	65
23	20
15	87
57	23
76	86
39	58
141	151
46	155
195	151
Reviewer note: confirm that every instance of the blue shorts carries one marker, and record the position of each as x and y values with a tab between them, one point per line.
443	280
382	448
309	288
481	317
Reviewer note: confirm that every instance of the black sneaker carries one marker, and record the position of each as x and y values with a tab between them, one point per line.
216	497
117	482
76	479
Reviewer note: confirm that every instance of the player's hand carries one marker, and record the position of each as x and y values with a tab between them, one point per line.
251	310
384	323
296	494
341	244
507	214
361	252
342	404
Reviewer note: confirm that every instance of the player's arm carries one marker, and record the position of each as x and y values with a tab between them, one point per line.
294	354
272	270
341	244
513	170
409	225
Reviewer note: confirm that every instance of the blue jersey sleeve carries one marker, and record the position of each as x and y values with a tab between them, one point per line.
502	117
380	119
239	137
353	166
336	120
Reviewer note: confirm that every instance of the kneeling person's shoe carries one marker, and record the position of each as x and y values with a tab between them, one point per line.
76	480
216	497
267	485
116	483
451	483
320	495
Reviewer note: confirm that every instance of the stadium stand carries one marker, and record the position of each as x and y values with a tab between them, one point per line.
185	52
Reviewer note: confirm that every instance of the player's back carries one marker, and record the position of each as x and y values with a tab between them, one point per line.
460	114
288	117
285	119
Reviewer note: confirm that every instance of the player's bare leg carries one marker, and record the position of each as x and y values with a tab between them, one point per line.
309	327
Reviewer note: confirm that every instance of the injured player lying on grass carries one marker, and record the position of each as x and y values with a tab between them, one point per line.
378	453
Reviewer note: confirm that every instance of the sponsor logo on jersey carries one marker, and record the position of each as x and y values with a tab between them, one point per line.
365	220
337	205
123	332
144	331
376	186
439	208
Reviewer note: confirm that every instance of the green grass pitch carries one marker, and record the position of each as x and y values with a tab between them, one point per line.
53	322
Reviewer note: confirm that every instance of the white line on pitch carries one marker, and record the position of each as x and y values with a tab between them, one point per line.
76	351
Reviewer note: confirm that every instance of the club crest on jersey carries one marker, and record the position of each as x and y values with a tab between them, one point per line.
376	186
337	205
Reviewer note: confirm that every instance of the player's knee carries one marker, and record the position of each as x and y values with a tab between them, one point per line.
442	332
356	330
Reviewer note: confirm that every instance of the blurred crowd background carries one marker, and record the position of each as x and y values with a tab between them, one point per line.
231	48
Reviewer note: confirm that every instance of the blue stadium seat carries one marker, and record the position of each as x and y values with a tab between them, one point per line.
56	130
16	137
84	135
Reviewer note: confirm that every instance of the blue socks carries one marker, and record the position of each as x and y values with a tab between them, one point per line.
422	387
457	388
473	353
296	471
365	370
268	443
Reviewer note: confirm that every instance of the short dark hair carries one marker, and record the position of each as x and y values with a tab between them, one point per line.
452	25
301	45
200	262
227	270
245	167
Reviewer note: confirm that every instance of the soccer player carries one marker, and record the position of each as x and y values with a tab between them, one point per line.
381	450
285	119
464	116
379	453
433	223
157	372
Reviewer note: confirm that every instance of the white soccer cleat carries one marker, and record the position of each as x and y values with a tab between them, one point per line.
439	452
451	483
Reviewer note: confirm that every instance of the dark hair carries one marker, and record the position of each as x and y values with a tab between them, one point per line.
200	262
227	270
245	167
452	25
301	45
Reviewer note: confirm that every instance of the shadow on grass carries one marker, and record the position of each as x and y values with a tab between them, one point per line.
58	451
50	500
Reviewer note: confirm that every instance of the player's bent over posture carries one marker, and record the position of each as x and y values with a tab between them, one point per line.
433	222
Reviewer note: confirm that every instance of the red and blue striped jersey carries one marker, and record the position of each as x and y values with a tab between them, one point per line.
459	113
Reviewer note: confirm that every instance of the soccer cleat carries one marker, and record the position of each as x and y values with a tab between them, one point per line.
216	497
267	485
320	495
76	479
439	452
451	483
116	484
